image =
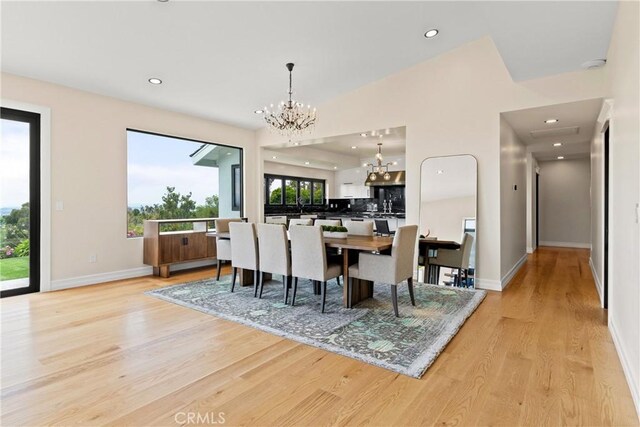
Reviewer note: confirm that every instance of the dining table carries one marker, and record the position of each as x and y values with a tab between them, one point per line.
425	246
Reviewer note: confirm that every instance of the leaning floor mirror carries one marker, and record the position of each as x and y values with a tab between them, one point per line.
448	200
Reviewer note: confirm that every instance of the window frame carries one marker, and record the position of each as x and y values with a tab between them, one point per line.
298	180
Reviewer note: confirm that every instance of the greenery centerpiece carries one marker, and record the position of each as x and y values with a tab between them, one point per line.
335	232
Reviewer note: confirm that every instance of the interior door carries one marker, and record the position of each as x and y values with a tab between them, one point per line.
19	202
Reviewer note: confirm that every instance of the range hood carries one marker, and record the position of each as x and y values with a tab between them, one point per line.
397	178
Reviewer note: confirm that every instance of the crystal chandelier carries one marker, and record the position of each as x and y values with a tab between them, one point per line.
290	118
379	168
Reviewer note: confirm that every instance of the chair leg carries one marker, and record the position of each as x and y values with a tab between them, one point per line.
233	281
218	265
287	284
324	294
256	276
261	276
349	291
338	281
295	288
394	299
410	284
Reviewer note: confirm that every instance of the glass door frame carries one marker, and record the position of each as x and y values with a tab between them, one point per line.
34	120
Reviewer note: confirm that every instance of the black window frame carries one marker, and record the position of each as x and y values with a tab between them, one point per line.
298	179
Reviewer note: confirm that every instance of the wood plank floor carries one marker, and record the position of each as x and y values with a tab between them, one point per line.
537	354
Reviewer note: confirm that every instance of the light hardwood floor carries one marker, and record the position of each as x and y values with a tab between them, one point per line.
537	354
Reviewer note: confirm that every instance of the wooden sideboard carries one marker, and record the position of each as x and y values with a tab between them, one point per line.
164	248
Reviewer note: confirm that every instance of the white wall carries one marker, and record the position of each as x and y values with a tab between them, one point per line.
532	167
444	217
283	169
89	173
225	209
623	71
513	202
565	203
451	105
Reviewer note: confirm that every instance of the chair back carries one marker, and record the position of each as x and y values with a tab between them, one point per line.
273	247
244	245
403	250
359	228
465	248
331	222
382	226
222	224
314	216
301	221
276	220
308	254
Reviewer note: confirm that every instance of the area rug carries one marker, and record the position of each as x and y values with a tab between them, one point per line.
369	332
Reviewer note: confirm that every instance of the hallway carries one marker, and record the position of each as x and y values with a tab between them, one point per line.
538	353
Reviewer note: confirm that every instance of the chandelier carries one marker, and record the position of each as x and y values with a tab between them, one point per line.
290	118
379	168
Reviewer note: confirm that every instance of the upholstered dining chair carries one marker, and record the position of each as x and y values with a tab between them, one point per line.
301	221
223	245
382	227
331	222
391	269
276	220
309	260
359	228
244	251
273	247
457	259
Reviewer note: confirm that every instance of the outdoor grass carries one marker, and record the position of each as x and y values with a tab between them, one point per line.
14	268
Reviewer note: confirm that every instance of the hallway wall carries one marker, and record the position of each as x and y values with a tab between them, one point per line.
565	203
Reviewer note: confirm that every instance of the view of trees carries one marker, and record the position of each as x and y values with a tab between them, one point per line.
14	233
291	187
174	205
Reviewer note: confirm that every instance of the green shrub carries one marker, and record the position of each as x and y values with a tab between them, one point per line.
334	229
23	248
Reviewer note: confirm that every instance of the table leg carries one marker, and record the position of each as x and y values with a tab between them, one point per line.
345	277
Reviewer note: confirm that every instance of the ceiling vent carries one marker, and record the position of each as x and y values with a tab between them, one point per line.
546	133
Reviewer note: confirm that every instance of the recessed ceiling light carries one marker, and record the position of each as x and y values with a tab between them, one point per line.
296	143
551	121
431	33
274	157
560	157
363	134
163	1
440	172
306	163
259	111
557	144
364	165
395	163
353	147
335	167
155	81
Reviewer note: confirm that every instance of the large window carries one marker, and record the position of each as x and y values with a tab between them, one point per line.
169	178
289	190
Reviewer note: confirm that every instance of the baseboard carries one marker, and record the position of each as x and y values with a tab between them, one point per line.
511	273
624	361
94	279
530	250
488	284
567	245
597	281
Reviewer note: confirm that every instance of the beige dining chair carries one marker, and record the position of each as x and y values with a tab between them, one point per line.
330	222
273	247
244	251
309	260
276	220
359	228
301	221
391	269
457	259
223	245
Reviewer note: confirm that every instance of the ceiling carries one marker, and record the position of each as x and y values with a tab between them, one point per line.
341	151
223	60
574	130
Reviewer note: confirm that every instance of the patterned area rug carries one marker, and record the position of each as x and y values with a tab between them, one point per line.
369	332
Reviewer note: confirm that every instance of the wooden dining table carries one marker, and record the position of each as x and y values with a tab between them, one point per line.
350	246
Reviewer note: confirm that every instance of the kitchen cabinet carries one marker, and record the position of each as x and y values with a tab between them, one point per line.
354	191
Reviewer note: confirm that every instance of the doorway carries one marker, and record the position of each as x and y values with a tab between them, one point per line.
537	209
605	284
19	202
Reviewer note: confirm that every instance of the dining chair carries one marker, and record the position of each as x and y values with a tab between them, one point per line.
309	259
223	245
331	222
457	259
301	221
276	220
382	227
244	251
359	228
273	247
391	269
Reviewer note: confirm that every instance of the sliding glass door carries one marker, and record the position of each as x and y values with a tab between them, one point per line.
19	202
